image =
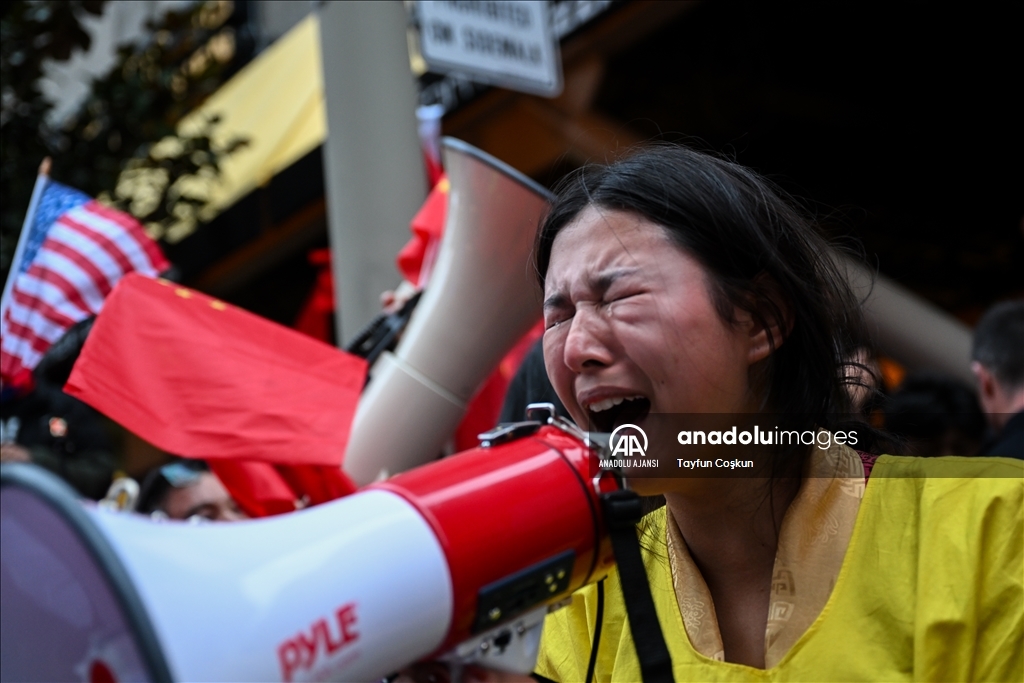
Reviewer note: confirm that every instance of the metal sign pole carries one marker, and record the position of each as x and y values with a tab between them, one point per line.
375	175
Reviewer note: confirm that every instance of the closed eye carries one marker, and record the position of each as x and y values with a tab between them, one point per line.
615	297
550	322
557	309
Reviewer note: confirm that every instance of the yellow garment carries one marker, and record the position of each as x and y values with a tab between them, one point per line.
812	544
931	588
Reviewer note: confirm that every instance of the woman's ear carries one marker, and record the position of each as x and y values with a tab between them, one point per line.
770	319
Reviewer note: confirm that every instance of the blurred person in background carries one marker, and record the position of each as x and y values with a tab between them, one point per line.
935	415
187	490
998	364
60	433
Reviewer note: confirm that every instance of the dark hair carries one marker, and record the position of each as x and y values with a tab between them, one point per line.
159	481
758	249
999	343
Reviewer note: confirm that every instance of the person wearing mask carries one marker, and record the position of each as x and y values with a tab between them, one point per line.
187	490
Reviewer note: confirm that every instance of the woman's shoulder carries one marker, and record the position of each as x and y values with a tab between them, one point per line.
949	467
957	520
965	491
951	526
966	487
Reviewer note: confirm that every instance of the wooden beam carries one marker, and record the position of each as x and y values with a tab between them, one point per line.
533	133
624	27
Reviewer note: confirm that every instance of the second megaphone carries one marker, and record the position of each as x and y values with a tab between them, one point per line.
481	298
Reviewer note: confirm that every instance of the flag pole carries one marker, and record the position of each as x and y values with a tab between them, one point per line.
26	228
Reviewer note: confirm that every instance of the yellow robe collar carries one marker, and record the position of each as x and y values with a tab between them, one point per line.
815	534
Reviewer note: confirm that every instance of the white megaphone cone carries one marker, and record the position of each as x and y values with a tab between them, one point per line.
459	558
481	298
311	592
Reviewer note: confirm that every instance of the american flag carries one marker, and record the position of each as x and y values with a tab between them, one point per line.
75	252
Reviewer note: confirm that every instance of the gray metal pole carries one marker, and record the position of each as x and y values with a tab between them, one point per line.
374	171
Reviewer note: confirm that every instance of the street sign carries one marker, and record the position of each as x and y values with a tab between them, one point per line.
509	43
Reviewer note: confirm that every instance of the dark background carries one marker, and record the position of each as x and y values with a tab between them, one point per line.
896	123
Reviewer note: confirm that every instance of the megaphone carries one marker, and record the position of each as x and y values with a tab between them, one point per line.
458	559
480	300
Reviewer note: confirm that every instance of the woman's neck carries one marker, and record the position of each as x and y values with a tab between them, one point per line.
731	530
726	517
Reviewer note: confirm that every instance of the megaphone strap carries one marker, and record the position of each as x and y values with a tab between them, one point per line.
597	632
622	510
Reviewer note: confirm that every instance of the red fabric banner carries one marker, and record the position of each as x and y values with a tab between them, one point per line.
315	318
257	487
416	259
317	484
204	379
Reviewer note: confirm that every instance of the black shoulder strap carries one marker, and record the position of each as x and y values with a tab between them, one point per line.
592	665
622	511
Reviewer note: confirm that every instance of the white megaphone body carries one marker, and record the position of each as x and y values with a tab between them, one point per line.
459	558
481	298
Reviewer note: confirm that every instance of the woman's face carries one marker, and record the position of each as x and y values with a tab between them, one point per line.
631	328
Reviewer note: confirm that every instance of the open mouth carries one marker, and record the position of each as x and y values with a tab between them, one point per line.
608	414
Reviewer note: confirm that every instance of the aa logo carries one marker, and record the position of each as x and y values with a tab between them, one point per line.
625	440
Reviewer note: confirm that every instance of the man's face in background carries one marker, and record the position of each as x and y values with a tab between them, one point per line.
206	498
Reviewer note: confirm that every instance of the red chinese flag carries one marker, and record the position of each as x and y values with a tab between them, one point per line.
258	487
416	259
204	379
317	484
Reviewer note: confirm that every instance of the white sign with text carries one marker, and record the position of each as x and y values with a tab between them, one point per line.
508	43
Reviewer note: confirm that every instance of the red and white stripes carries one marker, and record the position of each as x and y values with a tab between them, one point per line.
86	252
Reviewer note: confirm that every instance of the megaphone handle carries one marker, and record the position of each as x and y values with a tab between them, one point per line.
394	324
364	334
379	334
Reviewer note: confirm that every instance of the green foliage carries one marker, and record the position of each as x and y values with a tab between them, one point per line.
30	34
122	145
